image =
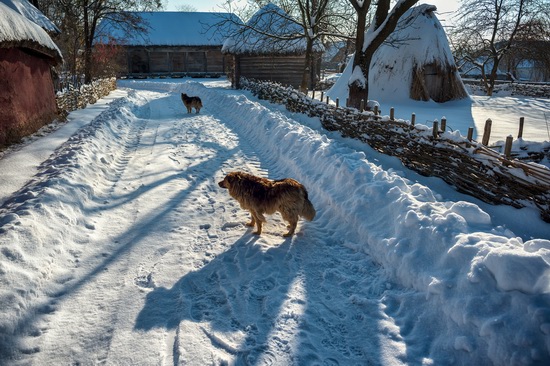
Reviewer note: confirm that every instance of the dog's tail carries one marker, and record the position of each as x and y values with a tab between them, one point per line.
308	211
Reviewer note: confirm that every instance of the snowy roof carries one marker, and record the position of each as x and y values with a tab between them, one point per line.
253	37
174	29
418	35
17	31
30	12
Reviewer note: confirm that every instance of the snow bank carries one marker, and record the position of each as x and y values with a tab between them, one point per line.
60	194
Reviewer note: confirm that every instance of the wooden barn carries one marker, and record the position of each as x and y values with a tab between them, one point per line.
257	56
174	44
27	98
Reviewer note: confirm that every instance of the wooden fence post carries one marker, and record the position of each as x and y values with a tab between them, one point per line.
413	119
436	129
322	94
392	114
375	110
347	102
362	105
313	96
521	122
508	147
470	133
337	102
443	124
327	99
487	132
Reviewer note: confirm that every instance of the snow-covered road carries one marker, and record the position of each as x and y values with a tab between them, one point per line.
123	250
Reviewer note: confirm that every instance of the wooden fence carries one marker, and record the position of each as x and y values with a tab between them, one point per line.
464	163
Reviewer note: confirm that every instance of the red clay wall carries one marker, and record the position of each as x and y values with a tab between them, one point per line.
27	98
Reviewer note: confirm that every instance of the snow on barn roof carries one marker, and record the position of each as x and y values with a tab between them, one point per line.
30	12
17	31
252	39
174	29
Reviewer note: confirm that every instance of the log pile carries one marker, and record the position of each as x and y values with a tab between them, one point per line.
466	164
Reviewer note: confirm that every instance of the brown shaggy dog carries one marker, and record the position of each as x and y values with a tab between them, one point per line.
261	195
191	102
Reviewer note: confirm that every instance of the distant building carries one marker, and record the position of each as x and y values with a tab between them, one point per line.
175	44
27	53
258	56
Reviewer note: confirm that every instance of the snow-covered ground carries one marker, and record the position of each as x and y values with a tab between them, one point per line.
121	249
503	109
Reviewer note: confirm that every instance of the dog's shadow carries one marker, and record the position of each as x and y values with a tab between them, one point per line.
240	291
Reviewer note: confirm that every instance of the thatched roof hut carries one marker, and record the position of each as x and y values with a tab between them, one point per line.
416	61
30	12
27	99
270	46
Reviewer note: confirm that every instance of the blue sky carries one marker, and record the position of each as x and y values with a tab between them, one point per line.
443	6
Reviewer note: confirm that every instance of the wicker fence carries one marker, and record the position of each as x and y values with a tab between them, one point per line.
78	98
466	164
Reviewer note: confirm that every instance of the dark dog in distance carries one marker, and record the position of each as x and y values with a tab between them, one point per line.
191	102
263	196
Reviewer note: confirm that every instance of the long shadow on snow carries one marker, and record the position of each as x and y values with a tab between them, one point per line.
241	290
127	240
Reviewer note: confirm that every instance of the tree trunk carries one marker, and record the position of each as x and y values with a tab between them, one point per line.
87	46
308	67
358	91
384	25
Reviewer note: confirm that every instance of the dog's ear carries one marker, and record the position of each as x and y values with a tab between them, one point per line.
233	177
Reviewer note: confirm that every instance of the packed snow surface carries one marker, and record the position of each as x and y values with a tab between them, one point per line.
122	249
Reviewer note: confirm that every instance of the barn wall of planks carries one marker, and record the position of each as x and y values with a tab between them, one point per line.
184	60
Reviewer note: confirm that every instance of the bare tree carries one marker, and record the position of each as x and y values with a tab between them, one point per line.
531	49
486	32
187	8
317	19
79	21
367	42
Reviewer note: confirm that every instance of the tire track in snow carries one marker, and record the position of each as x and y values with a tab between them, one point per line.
89	290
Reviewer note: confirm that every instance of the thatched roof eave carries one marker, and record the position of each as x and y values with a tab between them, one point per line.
53	56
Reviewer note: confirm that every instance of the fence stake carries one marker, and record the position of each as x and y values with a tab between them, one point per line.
508	147
337	102
362	105
487	132
347	102
327	99
443	124
413	119
521	122
392	114
470	133
375	110
322	93
313	96
435	129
